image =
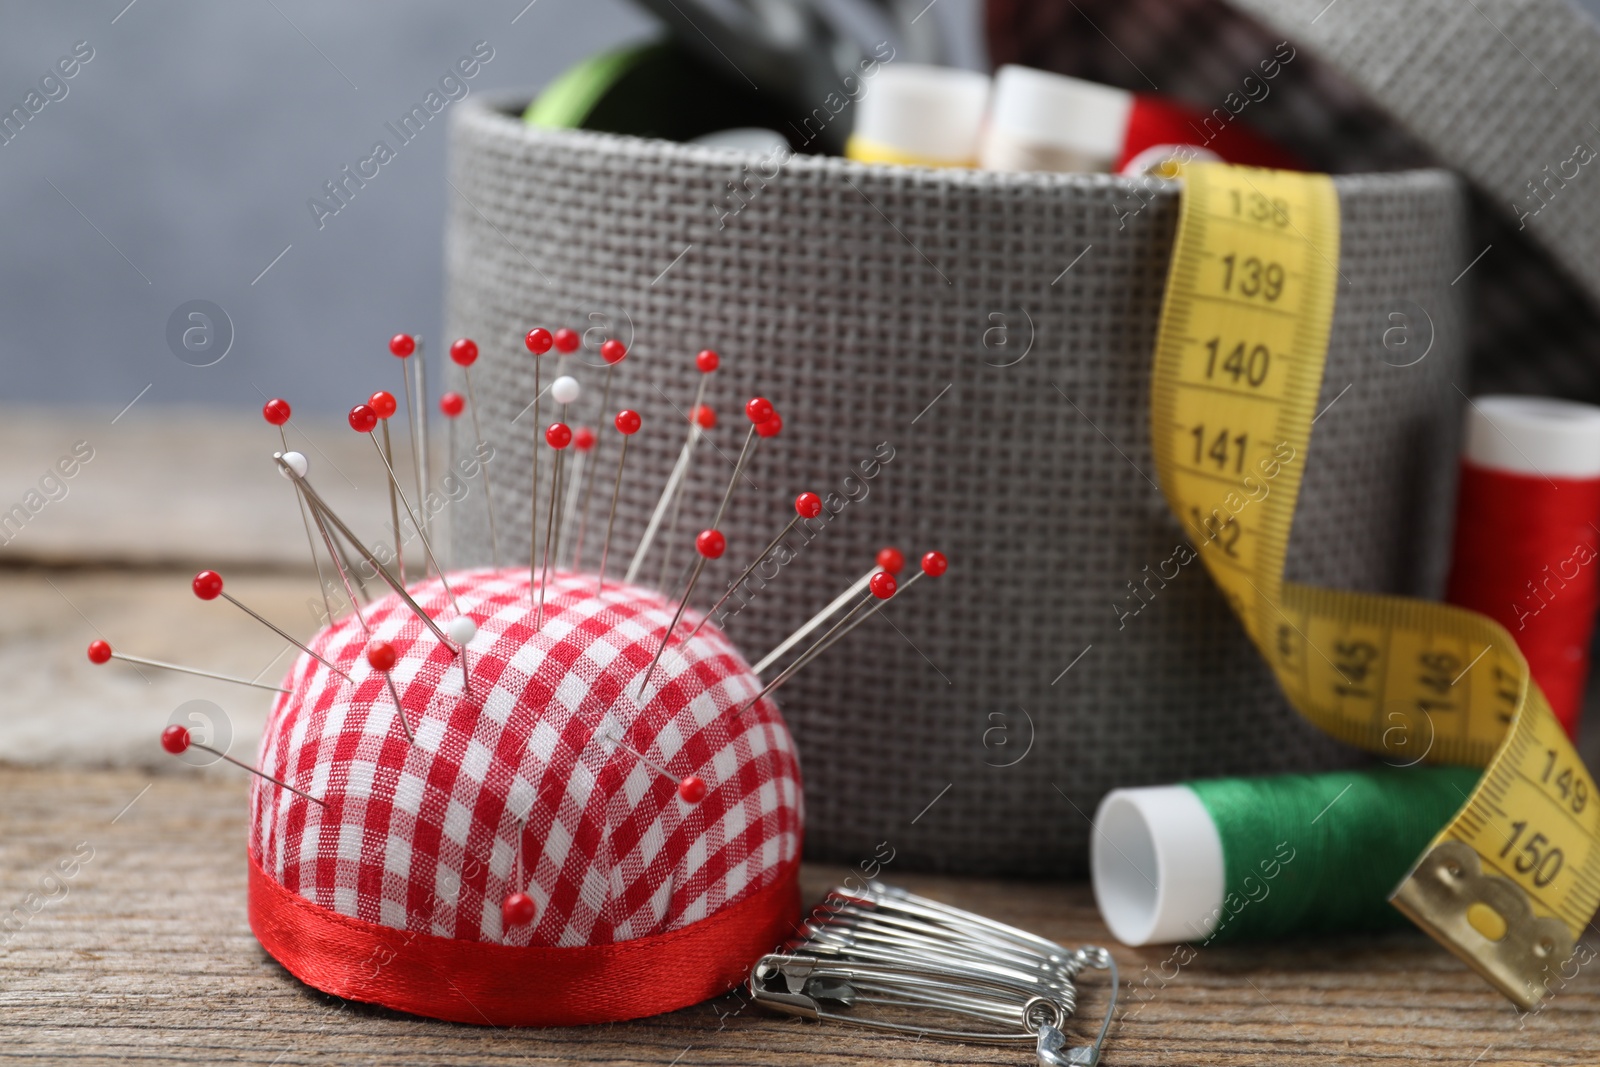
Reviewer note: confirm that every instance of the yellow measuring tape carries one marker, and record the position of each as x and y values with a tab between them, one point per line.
1514	879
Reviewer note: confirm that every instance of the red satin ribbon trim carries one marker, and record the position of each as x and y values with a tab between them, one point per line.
503	985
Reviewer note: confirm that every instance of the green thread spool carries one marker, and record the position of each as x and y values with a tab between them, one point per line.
1249	858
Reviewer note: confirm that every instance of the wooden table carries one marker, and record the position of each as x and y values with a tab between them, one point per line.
146	955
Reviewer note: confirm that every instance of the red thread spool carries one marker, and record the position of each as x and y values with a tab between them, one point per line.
1527	553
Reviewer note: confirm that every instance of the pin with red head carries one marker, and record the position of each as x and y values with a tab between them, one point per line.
806	506
538	341
177	740
208	585
464	353
558	435
627	423
691	788
382	657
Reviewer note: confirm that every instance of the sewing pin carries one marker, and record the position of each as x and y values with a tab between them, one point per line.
378	408
518	908
706	362
613	352
627	423
538	342
381	658
806	506
101	652
765	422
834	607
277	411
558	436
321	506
710	544
565	391
177	740
290	465
691	788
706	419
207	585
362	418
403	346
583	441
934	565
465	353
882	586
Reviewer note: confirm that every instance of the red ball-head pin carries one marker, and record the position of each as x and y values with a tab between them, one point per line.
583	439
711	544
706	416
613	352
538	340
99	652
175	739
363	419
276	411
207	585
883	585
558	435
808	505
382	403
567	340
452	405
771	427
464	351
891	559
707	360
758	410
381	656
628	422
402	345
692	789
518	909
934	564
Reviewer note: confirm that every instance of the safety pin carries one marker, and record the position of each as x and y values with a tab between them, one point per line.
975	979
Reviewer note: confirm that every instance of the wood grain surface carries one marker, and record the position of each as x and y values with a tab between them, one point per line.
144	955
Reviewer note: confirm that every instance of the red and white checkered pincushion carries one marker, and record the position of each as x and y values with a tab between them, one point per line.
424	838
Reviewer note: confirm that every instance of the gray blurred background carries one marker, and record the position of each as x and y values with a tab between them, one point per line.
178	165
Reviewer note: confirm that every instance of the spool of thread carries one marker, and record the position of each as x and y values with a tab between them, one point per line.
1241	858
922	115
1526	534
1049	122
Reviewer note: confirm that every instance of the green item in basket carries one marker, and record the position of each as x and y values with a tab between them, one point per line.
657	89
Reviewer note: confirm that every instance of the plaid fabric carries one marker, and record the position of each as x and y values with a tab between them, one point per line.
426	837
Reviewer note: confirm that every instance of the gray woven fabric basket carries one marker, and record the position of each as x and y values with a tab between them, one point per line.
986	339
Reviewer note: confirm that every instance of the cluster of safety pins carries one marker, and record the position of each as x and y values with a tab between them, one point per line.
886	959
859	602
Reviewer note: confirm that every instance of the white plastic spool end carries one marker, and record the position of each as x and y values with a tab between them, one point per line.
1156	862
1533	435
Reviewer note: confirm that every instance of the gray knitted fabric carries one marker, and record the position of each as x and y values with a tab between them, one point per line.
987	340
